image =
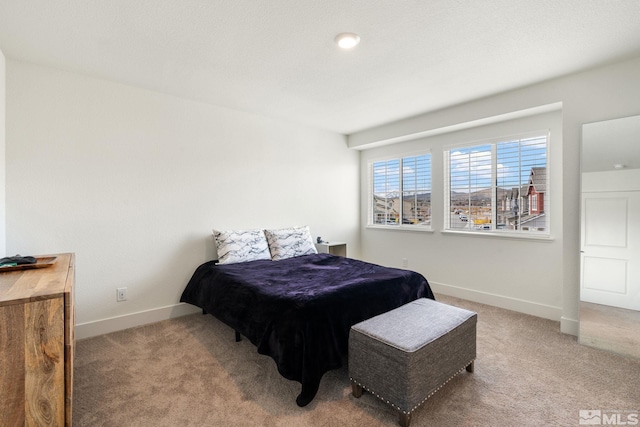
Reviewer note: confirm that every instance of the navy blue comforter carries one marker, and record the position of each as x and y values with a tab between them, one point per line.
299	310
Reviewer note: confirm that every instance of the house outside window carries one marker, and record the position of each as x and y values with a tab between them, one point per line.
400	192
498	186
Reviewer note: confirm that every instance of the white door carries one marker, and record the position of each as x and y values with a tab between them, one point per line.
610	252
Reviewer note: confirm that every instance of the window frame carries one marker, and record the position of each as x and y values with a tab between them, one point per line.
496	202
422	227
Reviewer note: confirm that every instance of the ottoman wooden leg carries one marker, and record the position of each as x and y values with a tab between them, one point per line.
356	390
405	419
470	366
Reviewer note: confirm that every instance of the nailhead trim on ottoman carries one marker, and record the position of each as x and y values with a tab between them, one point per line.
405	355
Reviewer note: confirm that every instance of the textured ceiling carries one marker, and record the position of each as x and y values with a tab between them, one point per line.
277	58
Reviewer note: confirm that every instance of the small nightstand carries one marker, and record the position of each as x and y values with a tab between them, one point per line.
333	248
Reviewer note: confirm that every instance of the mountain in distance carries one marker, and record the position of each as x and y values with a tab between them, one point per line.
483	195
478	196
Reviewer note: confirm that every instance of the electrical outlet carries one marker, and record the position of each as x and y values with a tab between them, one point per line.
405	262
121	294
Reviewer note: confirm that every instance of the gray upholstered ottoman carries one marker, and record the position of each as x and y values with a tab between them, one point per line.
407	354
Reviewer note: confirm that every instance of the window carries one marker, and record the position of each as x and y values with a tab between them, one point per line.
498	186
400	194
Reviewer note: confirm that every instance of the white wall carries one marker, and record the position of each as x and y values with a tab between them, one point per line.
600	94
482	268
3	229
133	181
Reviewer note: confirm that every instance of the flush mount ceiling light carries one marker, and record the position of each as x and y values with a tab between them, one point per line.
347	40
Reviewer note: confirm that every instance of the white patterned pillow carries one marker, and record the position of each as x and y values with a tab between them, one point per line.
241	245
290	242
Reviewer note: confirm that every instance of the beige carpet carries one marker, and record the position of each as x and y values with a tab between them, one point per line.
190	372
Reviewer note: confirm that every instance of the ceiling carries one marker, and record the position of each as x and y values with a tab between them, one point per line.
277	58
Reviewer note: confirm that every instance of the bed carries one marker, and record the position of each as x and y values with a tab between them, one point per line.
298	310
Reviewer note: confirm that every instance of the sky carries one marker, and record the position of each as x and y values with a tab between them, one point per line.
471	167
416	175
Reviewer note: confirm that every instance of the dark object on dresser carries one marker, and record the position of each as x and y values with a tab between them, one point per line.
18	260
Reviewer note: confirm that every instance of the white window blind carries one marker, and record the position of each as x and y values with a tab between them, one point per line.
498	186
400	192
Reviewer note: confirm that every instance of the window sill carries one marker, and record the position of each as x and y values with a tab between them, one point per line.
418	229
500	235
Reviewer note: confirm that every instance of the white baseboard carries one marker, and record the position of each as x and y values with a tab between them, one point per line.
521	306
118	323
570	326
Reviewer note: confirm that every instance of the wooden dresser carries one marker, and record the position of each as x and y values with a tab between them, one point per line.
37	317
